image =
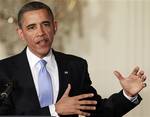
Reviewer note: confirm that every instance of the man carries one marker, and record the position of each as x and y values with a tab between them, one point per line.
71	92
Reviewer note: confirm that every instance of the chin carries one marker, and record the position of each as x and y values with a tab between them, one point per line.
45	51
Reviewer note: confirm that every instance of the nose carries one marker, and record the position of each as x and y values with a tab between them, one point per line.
40	31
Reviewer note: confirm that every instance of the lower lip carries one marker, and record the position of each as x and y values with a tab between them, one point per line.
42	43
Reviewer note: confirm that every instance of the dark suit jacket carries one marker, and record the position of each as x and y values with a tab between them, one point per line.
23	99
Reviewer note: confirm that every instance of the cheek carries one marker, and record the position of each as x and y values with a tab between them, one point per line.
29	39
30	42
50	34
50	31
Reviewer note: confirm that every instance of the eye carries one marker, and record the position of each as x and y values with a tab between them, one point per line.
31	27
47	24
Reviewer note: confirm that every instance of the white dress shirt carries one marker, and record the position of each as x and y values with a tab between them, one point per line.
52	69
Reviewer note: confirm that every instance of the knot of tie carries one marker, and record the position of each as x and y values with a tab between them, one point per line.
42	63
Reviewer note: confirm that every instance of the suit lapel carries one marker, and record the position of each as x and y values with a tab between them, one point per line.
25	82
63	73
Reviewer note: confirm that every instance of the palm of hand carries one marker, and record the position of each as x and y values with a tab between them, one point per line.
132	85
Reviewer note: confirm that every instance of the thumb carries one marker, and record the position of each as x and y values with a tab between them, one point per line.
66	94
118	75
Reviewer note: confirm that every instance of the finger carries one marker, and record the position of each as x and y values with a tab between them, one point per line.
82	96
87	102
135	70
143	78
141	73
144	85
66	94
118	75
87	107
82	113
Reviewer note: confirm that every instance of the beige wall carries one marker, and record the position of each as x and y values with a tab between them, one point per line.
115	36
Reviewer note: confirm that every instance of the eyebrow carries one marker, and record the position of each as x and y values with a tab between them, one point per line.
35	24
30	25
46	22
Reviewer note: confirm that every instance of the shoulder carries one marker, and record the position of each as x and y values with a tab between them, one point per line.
9	59
12	60
15	57
6	67
68	57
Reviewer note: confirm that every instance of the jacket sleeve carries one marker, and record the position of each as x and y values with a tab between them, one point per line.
115	106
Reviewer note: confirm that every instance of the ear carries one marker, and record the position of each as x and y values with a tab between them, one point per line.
55	26
20	33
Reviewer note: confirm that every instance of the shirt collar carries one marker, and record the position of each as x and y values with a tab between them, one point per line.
33	59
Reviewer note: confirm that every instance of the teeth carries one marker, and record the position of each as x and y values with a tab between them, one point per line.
42	42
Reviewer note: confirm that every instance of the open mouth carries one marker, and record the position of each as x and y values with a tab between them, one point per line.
42	42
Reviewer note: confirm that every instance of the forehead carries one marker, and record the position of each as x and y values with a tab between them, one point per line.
35	16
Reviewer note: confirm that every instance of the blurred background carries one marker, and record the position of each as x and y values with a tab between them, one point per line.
109	34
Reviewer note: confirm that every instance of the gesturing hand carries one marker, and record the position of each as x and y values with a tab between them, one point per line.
134	83
75	105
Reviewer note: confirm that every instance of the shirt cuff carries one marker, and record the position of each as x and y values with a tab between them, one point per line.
132	99
52	111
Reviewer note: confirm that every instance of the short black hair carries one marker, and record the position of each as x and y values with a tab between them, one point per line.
33	6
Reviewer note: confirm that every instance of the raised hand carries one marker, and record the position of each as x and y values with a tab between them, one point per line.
75	105
134	83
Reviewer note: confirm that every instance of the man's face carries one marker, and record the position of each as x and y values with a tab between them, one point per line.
38	31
